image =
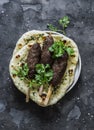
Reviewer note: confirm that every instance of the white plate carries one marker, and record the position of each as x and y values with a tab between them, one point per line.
77	74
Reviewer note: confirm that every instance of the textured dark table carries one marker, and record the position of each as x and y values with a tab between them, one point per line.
76	110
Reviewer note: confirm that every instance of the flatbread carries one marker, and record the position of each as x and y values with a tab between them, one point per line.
20	54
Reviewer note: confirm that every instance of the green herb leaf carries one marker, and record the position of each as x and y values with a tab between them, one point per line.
58	49
70	51
43	76
33	83
40	68
15	72
49	75
52	28
64	21
22	71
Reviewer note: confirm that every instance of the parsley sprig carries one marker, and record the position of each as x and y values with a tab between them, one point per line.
22	71
52	28
58	49
43	74
63	22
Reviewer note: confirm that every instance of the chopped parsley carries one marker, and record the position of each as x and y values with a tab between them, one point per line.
69	50
22	71
58	49
43	74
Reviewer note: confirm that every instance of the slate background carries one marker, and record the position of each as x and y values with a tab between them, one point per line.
76	110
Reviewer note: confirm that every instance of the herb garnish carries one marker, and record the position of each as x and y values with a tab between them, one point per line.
52	28
63	22
69	50
22	71
58	49
43	74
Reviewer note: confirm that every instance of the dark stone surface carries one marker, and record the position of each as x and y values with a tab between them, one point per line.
76	110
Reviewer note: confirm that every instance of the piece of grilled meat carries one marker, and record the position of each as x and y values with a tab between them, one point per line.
33	58
46	57
59	67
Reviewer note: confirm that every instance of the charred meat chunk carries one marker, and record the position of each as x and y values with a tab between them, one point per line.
59	67
46	57
33	58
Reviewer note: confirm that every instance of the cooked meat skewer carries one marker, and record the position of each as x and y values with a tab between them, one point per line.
33	58
59	68
46	57
59	65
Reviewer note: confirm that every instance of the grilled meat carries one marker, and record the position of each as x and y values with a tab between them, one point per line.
59	67
33	58
46	57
